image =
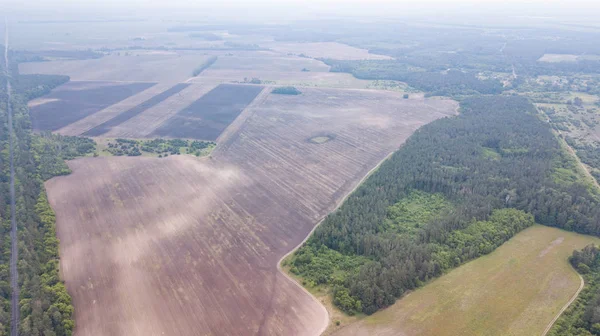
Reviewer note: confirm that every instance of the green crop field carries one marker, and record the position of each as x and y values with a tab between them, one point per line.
516	290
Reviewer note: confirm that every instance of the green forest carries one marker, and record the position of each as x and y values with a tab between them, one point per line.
456	190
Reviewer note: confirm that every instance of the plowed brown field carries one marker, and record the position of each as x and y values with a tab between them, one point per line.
186	246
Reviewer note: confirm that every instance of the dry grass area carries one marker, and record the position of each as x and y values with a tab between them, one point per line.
265	63
186	246
142	67
516	290
333	50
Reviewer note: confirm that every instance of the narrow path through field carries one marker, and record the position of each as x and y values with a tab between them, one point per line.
565	306
14	276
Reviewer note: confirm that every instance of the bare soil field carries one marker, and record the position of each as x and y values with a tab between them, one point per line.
333	50
186	246
295	78
516	290
123	117
91	121
76	100
142	67
208	116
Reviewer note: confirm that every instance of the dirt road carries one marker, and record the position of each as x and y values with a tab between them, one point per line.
565	307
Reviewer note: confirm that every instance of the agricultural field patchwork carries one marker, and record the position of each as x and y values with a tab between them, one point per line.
207	117
126	65
142	125
76	100
190	245
123	117
83	125
515	290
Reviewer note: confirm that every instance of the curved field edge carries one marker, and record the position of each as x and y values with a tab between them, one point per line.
515	290
330	310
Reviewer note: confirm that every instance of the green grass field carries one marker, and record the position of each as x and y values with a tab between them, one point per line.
516	290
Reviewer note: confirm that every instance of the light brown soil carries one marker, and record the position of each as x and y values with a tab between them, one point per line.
186	246
143	68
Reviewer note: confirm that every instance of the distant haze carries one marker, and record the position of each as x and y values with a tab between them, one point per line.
261	10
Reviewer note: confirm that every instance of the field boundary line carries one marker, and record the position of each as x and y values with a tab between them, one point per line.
338	205
551	324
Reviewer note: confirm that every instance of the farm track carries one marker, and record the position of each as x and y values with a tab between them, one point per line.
190	246
14	249
567	305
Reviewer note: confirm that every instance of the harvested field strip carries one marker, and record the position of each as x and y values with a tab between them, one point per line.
515	290
108	125
81	126
207	117
142	125
76	100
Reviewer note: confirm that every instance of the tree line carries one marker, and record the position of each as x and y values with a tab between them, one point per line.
45	305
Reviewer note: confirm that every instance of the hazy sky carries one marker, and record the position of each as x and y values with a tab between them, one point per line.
247	10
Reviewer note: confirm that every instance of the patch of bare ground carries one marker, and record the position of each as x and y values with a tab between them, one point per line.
186	246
